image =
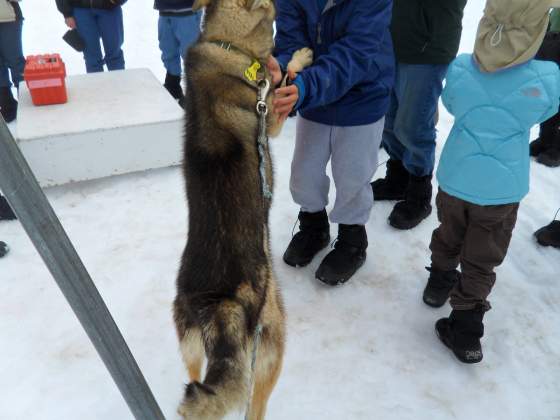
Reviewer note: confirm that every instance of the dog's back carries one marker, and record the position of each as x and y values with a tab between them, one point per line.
227	298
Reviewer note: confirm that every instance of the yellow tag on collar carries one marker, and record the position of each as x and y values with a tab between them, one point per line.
251	71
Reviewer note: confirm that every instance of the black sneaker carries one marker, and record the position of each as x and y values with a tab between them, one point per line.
416	206
549	235
6	212
312	237
393	186
3	249
348	255
461	333
8	105
439	285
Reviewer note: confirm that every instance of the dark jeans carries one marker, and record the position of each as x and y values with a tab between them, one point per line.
12	60
550	51
477	237
107	25
410	124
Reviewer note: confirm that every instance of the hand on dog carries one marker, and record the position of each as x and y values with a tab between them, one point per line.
275	71
285	100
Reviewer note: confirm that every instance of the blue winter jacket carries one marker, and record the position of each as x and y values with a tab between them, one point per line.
485	160
352	74
173	5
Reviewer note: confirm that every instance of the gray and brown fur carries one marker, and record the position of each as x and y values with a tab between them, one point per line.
225	286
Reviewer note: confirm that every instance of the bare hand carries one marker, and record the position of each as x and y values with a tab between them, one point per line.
274	69
70	22
286	99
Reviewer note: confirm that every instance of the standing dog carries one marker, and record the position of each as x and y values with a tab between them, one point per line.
228	306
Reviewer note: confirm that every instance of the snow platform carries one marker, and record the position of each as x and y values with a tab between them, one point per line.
114	123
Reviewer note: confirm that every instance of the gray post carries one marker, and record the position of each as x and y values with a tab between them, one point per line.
37	217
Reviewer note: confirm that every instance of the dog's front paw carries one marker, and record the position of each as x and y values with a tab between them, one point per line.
301	59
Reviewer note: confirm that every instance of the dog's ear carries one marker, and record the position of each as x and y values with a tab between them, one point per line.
255	4
199	4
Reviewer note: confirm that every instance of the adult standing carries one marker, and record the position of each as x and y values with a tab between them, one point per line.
426	36
341	98
178	28
12	61
96	21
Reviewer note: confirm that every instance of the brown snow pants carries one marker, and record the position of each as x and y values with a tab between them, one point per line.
477	238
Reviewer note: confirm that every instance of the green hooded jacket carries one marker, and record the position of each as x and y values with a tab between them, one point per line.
427	31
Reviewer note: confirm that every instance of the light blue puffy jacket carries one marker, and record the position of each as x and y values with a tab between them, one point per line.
485	160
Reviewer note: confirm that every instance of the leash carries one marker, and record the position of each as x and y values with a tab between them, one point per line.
263	87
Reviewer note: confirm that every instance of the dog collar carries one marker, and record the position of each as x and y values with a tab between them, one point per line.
252	73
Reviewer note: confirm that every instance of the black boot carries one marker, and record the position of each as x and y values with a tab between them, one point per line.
439	285
6	212
393	186
3	249
416	205
8	105
312	237
461	332
549	136
173	86
551	156
549	235
348	255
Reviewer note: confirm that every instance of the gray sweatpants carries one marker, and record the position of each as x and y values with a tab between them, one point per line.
353	152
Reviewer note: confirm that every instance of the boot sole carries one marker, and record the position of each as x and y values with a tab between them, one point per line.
303	263
433	305
459	357
542	242
338	282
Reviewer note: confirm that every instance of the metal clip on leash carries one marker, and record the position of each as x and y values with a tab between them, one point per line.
263	87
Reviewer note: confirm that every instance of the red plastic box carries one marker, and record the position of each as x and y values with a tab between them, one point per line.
45	77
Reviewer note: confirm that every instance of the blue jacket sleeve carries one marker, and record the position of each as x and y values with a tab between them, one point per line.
452	79
291	33
351	58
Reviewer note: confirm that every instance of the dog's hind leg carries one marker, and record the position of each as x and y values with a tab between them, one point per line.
269	355
192	351
225	386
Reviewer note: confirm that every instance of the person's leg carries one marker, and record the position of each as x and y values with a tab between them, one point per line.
309	185
354	162
487	240
169	46
11	59
187	30
111	28
86	24
6	212
446	245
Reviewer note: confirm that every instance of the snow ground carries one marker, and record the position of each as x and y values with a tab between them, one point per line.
363	351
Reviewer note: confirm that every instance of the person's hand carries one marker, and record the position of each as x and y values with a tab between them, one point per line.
285	100
274	69
70	22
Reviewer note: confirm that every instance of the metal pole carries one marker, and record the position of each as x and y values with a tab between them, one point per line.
37	217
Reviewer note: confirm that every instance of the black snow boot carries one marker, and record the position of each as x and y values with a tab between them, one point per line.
348	255
551	156
461	332
439	285
312	237
549	136
549	235
6	212
173	86
416	206
3	249
8	105
393	186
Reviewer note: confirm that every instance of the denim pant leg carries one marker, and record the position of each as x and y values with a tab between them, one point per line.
169	46
11	53
390	142
418	89
111	28
187	29
86	23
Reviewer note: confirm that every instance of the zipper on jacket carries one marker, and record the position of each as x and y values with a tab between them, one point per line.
319	40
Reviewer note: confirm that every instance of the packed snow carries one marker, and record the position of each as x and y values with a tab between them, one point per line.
366	350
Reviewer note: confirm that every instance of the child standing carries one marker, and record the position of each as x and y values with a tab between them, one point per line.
178	28
12	60
97	20
496	96
342	99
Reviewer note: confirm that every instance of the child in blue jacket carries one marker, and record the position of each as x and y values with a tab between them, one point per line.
496	95
342	99
178	28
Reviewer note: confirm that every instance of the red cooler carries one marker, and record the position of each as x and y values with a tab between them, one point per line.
45	78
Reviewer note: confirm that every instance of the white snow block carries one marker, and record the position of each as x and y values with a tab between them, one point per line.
114	123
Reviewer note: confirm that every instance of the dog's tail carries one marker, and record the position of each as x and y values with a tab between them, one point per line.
228	345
